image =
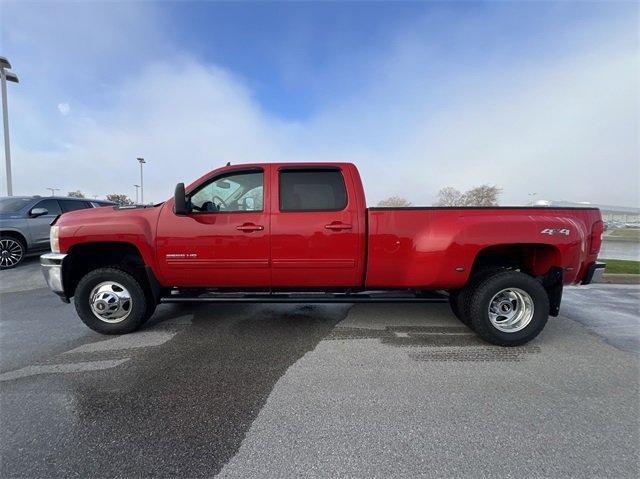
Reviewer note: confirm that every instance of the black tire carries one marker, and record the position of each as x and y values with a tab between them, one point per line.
10	247
460	299
138	311
479	300
454	302
150	308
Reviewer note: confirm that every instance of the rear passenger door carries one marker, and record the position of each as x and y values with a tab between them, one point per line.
39	226
314	228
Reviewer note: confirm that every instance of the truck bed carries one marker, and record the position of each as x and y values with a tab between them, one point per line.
431	246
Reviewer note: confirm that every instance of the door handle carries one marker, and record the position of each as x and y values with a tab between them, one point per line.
249	227
338	226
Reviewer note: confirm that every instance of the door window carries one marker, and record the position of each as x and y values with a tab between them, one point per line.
241	191
73	205
51	206
312	190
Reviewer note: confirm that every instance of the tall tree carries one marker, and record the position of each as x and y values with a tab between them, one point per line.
449	196
394	202
483	195
76	194
119	199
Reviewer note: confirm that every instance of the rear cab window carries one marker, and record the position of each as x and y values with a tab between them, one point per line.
311	189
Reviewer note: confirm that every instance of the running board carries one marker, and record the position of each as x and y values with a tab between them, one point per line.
305	297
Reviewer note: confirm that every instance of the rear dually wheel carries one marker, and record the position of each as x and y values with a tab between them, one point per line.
508	308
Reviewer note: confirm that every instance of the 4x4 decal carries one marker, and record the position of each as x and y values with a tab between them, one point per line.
559	231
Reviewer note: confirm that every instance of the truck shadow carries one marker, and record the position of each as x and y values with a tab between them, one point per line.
426	332
181	409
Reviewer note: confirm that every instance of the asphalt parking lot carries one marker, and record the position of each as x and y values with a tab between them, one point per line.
316	391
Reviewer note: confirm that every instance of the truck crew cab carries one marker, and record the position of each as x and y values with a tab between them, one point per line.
303	233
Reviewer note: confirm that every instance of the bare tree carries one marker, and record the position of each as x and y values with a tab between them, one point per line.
449	196
394	202
483	195
76	194
119	199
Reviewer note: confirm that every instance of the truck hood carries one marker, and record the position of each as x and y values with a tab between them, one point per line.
108	224
107	215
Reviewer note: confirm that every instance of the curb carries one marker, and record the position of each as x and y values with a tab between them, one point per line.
621	278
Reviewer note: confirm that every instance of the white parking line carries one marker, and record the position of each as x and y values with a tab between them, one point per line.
61	368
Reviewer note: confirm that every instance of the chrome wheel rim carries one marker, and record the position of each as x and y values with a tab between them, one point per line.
110	302
10	252
511	310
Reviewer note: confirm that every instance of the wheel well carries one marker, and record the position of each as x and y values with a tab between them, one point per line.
534	259
16	235
87	257
541	261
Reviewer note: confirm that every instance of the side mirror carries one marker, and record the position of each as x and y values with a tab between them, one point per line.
35	212
180	200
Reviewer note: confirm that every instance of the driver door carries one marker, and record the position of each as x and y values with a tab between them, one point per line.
224	241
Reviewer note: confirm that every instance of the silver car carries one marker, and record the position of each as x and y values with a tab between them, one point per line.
25	222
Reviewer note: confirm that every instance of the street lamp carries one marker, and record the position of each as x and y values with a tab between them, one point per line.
141	161
6	76
532	196
137	186
53	191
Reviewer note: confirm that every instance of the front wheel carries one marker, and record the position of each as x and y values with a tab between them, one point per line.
111	301
508	308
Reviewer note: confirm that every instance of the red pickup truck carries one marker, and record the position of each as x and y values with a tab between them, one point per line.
303	233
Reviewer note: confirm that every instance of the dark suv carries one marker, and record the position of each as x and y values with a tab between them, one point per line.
25	222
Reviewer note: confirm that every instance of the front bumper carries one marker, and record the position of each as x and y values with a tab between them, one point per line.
594	273
51	264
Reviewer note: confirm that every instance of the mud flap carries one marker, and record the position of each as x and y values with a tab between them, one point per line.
154	285
552	282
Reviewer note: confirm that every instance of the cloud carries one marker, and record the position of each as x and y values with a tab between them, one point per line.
64	108
564	126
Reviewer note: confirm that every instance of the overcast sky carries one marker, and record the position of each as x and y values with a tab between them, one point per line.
533	97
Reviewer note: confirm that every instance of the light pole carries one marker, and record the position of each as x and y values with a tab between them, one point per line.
532	196
141	161
6	76
137	186
53	191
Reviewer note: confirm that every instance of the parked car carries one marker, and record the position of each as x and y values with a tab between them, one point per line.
303	233
25	223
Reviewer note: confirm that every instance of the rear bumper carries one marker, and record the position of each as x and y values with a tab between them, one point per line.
594	273
51	264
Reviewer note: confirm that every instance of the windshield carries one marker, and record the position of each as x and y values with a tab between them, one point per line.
13	205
